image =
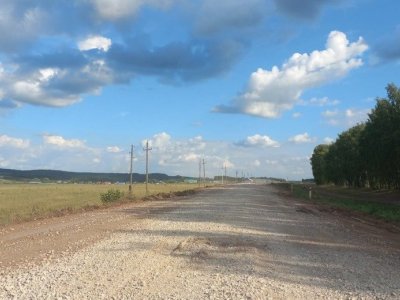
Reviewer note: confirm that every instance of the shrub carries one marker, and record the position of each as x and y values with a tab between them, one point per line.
111	196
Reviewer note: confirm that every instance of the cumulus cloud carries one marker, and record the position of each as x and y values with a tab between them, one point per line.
120	9
8	141
270	92
114	149
50	80
346	118
301	138
61	142
95	42
159	141
258	140
328	140
63	71
172	156
27	21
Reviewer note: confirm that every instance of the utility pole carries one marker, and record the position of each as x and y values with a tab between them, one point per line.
147	149
222	175
204	172
236	178
130	172
199	172
225	173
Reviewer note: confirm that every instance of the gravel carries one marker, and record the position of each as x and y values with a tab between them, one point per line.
238	242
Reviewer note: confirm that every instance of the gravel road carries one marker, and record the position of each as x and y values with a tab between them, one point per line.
237	242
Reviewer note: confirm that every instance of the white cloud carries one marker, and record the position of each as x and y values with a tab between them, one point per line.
189	157
228	164
160	141
95	42
117	9
330	113
40	86
56	87
270	92
346	118
59	141
114	149
8	141
325	101
328	140
259	140
47	73
301	138
176	156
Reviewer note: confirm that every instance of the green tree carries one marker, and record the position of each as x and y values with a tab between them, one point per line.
318	164
381	141
352	165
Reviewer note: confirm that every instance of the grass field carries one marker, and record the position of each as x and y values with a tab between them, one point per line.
383	205
24	202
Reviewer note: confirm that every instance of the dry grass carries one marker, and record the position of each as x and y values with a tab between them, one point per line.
24	202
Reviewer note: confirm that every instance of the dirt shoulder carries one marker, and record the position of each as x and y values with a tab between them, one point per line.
39	240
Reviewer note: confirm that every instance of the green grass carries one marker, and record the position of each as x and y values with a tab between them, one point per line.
385	211
24	202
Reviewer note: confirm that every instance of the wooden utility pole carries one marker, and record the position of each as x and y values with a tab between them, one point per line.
204	172
199	172
225	173
222	175
130	172
147	149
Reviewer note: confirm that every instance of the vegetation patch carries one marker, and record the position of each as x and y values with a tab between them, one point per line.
25	202
366	155
111	196
353	201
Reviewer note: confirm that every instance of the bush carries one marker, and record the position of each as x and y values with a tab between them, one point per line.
111	196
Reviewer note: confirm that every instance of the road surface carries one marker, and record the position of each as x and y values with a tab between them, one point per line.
236	242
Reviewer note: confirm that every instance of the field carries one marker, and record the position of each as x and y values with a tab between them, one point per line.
379	204
24	202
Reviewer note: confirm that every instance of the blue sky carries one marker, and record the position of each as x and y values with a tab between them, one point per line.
253	85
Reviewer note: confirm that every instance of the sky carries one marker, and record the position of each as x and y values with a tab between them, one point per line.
250	85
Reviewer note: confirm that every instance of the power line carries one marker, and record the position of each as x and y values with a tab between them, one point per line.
147	149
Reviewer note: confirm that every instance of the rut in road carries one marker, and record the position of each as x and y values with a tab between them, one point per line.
236	242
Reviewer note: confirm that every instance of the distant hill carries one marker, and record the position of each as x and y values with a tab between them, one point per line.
55	175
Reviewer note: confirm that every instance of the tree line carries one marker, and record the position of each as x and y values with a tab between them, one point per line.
367	154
